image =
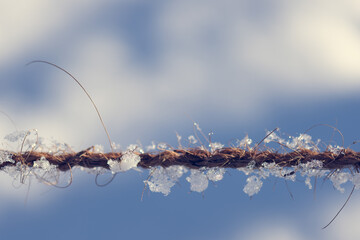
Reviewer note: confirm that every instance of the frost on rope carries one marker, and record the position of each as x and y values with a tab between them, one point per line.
129	160
162	179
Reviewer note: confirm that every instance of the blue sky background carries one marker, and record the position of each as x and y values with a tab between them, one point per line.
154	67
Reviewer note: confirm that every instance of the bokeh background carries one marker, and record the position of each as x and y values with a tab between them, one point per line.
155	67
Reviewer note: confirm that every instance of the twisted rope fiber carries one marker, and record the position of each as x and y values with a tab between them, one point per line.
195	158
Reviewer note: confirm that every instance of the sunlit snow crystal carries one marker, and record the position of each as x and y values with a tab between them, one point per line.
163	179
44	164
98	148
339	178
308	182
215	146
198	181
253	185
249	168
246	141
151	147
215	174
277	171
5	157
192	139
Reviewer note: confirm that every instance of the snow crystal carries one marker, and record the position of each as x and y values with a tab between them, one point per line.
129	160
15	136
151	147
114	166
335	149
245	142
135	148
5	157
215	174
339	178
44	164
249	168
192	139
308	182
198	181
162	146
253	185
273	137
302	141
277	171
98	148
163	179
215	146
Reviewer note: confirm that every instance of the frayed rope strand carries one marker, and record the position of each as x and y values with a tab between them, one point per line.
193	158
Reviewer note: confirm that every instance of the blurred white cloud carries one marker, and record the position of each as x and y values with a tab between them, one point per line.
211	57
272	229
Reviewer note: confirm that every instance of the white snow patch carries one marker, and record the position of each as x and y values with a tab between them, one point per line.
253	185
5	157
198	181
245	142
339	178
215	174
163	179
215	146
44	164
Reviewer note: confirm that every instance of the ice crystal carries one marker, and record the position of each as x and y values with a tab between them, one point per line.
98	148
192	139
163	179
215	174
151	147
5	157
215	146
245	142
249	168
198	181
253	185
44	164
339	178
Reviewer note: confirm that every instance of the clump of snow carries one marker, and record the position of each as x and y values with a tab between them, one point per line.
249	168
5	157
243	143
151	147
253	185
44	164
192	139
163	179
98	148
302	141
129	160
275	170
114	166
215	146
163	146
198	180
339	178
215	174
335	149
311	169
